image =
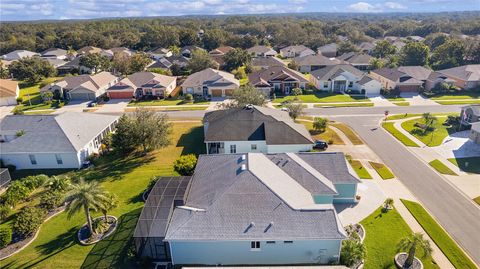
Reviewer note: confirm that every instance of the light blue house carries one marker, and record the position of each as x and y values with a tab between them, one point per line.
249	209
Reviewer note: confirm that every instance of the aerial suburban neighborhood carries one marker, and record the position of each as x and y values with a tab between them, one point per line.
286	134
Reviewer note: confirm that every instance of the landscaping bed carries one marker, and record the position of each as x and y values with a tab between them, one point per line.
441	168
389	127
446	244
383	232
84	235
382	170
400	259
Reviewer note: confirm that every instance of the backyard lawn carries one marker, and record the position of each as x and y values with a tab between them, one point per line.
348	132
441	167
328	135
382	170
56	246
469	165
30	94
446	244
431	139
322	97
389	127
383	232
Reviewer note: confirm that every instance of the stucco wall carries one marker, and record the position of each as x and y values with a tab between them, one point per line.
44	160
289	148
346	193
246	146
239	252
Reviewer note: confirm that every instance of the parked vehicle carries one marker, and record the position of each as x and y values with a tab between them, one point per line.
320	144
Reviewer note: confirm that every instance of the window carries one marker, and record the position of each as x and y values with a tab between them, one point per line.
59	158
255	245
325	84
233	148
33	160
350	84
254	147
270	242
288	242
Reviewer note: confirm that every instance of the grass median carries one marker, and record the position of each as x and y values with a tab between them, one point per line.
459	102
360	169
382	170
351	135
359	104
442	168
389	127
446	244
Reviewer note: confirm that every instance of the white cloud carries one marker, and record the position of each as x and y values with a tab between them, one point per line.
298	1
363	7
394	5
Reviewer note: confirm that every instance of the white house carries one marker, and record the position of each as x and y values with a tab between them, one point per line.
52	141
210	82
8	92
261	51
254	129
296	51
344	78
249	209
18	54
83	87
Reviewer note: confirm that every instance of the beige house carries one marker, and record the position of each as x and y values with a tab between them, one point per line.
83	87
143	85
210	82
8	92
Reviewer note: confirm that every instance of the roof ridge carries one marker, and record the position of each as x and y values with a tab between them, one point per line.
323	179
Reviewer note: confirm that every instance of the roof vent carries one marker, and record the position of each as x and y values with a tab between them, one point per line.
244	157
251	225
244	167
249	106
270	225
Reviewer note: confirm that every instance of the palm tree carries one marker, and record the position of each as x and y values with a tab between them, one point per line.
388	203
87	196
413	243
429	120
353	252
58	183
110	203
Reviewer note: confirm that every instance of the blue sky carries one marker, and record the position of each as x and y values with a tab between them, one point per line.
86	9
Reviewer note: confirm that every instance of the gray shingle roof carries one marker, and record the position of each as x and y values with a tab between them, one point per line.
236	205
258	123
333	165
273	72
314	60
66	132
267	62
466	72
332	71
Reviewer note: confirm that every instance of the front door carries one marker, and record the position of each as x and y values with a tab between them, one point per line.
205	91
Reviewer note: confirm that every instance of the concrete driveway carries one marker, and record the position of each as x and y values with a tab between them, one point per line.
114	106
457	145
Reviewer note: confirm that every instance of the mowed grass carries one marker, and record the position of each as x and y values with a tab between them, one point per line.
382	170
383	232
401	103
56	245
360	169
459	102
328	135
469	165
461	95
389	127
358	104
441	167
322	97
446	244
402	116
32	100
351	135
166	102
433	138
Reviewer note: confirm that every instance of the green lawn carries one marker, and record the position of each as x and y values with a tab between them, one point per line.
32	100
461	95
459	102
322	97
382	170
388	126
469	165
35	112
351	135
446	244
441	168
401	103
358	104
56	246
165	102
383	232
402	116
477	200
328	135
431	139
360	169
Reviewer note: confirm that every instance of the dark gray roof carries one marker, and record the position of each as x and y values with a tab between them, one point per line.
267	62
229	204
418	73
66	132
333	71
356	58
273	72
332	165
314	60
257	123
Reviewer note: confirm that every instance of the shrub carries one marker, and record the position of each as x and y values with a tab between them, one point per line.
188	97
17	111
51	200
16	192
34	182
20	133
28	220
320	124
19	100
185	165
99	226
4	211
58	184
5	237
353	252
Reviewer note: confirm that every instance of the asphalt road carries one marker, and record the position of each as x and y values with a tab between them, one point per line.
454	211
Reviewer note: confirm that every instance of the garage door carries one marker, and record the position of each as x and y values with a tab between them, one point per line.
120	95
228	92
82	96
217	93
